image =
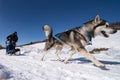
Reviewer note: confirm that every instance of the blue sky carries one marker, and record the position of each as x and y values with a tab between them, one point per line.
28	16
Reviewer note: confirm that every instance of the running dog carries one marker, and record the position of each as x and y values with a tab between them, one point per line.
77	40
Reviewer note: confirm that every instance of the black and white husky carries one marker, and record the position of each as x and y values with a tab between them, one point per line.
77	40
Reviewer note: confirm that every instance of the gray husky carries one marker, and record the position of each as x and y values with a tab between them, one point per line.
77	40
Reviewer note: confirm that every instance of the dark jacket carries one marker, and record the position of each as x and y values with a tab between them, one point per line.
13	37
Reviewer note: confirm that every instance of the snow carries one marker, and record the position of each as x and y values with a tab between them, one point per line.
28	66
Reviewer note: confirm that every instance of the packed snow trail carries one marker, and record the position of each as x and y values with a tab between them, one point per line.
28	66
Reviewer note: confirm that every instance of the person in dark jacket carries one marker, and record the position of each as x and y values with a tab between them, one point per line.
11	42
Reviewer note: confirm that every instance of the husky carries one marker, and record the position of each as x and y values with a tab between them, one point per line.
78	38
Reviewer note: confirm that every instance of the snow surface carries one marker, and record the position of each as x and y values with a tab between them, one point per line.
28	66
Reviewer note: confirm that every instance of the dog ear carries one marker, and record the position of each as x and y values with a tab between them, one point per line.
97	19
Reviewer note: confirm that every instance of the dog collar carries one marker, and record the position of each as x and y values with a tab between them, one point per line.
89	34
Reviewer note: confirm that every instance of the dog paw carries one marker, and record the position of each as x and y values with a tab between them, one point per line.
65	62
58	59
103	67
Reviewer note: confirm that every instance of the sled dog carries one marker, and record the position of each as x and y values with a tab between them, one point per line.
78	38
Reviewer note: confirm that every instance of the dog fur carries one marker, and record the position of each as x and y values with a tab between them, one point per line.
78	40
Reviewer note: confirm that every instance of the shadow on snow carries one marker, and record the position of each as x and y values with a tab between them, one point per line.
84	60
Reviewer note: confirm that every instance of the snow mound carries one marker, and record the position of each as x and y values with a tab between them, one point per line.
4	73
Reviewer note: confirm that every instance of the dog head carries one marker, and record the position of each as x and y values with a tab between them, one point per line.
98	26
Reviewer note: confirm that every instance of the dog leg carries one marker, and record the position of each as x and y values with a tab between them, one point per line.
70	55
57	54
43	55
90	57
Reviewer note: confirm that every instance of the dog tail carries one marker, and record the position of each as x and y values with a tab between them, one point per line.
48	31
